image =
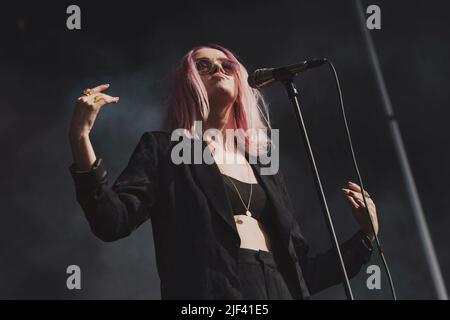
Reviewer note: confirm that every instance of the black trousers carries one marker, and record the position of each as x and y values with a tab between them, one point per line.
259	276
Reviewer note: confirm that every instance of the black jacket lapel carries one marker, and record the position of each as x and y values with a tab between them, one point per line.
211	182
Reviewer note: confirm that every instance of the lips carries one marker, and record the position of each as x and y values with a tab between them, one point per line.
218	75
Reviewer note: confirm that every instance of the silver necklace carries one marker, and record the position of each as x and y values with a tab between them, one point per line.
247	207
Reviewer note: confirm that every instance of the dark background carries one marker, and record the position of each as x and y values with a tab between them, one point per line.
135	47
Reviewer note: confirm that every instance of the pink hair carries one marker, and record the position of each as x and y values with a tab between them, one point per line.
188	102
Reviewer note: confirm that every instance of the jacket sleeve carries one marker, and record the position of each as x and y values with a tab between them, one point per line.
114	212
322	270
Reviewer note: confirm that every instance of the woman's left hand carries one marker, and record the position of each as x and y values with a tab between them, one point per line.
354	197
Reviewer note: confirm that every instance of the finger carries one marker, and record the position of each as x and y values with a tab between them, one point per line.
356	195
360	202
102	99
109	99
352	193
83	99
351	201
100	88
357	188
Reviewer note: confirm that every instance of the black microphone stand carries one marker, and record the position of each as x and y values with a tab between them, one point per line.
292	94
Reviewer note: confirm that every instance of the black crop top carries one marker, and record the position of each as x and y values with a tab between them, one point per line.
259	202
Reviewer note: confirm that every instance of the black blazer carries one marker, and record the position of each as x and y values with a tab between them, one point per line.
196	240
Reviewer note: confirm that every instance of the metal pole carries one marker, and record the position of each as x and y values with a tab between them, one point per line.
292	93
427	243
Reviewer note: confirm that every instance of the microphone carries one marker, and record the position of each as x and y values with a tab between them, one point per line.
261	77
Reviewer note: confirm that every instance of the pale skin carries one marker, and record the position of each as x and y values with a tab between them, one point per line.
222	93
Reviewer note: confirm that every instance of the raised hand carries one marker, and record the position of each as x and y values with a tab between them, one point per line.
87	107
353	195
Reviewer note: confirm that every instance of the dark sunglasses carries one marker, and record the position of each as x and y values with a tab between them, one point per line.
205	66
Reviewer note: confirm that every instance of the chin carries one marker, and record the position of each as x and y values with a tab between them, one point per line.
222	92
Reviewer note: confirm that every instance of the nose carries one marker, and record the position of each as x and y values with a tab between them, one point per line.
216	66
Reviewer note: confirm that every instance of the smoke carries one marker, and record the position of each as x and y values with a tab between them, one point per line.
45	67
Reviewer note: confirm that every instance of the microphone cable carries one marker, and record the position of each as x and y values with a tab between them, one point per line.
350	144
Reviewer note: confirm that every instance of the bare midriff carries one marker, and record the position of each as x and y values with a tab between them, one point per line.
252	233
